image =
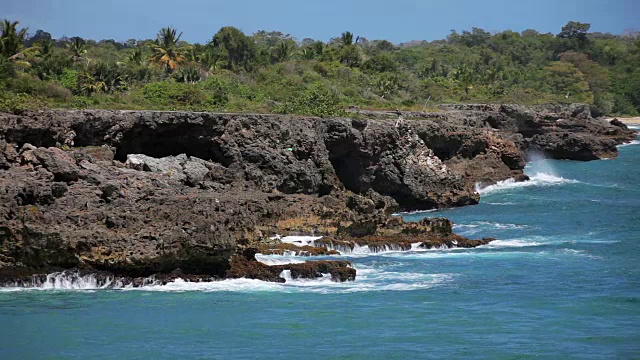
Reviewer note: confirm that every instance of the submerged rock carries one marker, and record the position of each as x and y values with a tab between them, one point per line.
339	271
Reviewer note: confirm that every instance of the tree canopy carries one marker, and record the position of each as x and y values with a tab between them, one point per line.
271	71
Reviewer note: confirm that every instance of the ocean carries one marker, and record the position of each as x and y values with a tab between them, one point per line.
562	281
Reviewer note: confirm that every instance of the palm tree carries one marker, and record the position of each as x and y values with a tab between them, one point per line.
11	39
189	75
167	52
101	77
136	57
307	53
283	51
78	48
208	59
44	49
346	38
318	47
193	53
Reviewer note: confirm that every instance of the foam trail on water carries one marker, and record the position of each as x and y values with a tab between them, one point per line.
510	244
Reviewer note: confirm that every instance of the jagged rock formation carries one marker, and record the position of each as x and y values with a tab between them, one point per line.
138	193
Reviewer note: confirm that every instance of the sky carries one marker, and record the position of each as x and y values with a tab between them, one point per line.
394	20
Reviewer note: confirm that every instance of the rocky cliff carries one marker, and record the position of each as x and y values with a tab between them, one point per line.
138	193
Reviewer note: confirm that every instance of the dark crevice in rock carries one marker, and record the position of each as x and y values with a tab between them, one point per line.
348	169
171	140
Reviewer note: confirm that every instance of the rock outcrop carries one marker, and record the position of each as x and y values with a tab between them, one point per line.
140	193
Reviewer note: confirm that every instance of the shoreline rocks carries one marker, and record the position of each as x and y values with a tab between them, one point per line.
142	193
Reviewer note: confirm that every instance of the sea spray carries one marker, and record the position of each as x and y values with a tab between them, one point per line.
69	280
298	240
287	258
538	179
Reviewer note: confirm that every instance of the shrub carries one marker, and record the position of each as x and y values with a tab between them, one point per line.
172	95
217	89
31	85
380	63
53	66
82	102
55	91
69	79
316	100
602	104
101	77
25	84
140	73
18	103
189	75
7	70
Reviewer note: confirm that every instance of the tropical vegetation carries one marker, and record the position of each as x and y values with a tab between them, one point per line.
274	72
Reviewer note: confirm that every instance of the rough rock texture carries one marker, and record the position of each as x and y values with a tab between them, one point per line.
143	193
339	270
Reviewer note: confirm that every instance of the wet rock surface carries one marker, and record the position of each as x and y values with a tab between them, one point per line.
140	193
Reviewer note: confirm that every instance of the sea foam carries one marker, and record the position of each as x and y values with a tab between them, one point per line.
298	240
368	279
539	179
278	259
634	142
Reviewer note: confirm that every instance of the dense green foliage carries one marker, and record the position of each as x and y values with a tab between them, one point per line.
272	72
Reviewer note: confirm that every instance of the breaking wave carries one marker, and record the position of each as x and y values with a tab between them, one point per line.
69	280
278	259
366	250
510	244
539	179
634	142
487	224
368	279
415	212
298	240
355	250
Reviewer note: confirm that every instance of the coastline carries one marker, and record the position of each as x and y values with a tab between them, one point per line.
139	194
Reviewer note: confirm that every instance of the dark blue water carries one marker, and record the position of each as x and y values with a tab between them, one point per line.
563	282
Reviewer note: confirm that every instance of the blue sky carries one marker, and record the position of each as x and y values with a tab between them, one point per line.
394	20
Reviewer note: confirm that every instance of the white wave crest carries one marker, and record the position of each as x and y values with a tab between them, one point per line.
68	281
510	244
539	179
415	212
364	250
298	240
634	142
278	259
368	279
487	224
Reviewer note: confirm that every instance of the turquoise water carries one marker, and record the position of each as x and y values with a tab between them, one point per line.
563	282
